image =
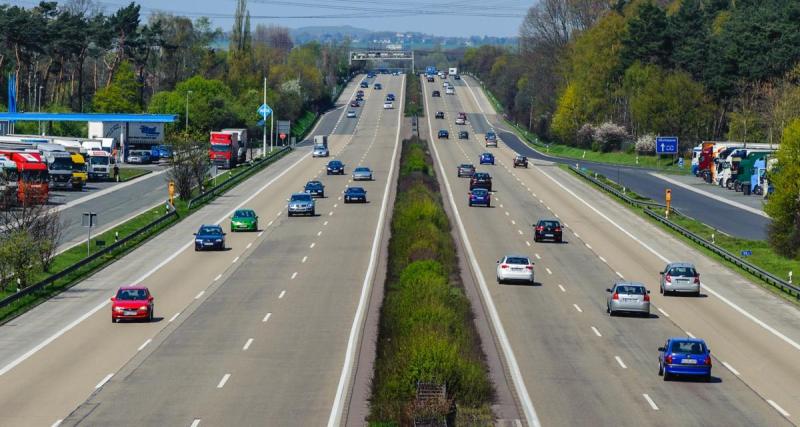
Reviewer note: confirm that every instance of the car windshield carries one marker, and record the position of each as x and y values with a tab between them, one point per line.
517	260
355	190
466	166
98	160
487	155
131	295
687	347
61	164
244	214
301	198
214	231
335	164
313	184
682	272
630	290
34	176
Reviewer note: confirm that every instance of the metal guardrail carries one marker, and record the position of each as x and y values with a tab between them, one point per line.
40	286
722	252
213	191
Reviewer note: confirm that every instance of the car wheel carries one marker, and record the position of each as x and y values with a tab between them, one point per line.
470	204
707	378
558	240
667	375
150	316
661	290
290	214
313	212
113	320
611	312
660	370
697	294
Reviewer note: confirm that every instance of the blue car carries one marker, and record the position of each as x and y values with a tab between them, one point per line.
209	237
158	152
390	97
480	196
487	159
315	189
335	167
355	194
684	356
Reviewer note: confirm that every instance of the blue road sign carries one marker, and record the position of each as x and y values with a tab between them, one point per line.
264	110
747	253
680	162
667	145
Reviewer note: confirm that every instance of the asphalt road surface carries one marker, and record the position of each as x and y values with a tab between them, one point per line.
578	365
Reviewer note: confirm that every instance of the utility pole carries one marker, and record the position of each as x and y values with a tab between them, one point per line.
187	110
264	142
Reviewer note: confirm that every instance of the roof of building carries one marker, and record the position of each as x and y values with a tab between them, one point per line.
89	117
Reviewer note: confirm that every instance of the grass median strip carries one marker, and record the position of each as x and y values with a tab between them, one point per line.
427	338
77	253
127	174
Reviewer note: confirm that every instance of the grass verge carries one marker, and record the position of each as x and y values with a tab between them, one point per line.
426	331
75	254
763	256
414	105
304	124
127	174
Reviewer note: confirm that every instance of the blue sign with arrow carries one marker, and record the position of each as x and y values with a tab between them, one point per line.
667	145
264	110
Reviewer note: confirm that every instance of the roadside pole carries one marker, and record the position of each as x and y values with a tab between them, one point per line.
668	197
271	129
264	142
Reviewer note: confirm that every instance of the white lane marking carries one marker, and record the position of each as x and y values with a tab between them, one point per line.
305	258
501	205
562	288
712	196
534	194
541	201
335	205
621	363
537	256
548	207
283	292
588	245
264	320
664	259
294	275
516	375
174	316
249	245
689	334
104	380
663	312
319	233
218	277
577	235
527	243
141	347
513	222
247	344
339	198
199	295
596	332
565	225
330	213
325	223
195	423
57	423
260	233
520	232
619	274
577	308
278	214
234	260
107	190
548	270
602	259
650	401
270	223
507	214
223	380
311	246
730	368
778	408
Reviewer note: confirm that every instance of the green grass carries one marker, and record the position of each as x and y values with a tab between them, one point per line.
303	124
426	330
414	105
127	174
763	254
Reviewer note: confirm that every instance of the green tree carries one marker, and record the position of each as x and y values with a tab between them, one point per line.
121	96
211	105
647	38
690	34
783	205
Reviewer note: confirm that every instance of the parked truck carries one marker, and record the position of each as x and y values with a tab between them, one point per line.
8	182
224	149
748	168
710	150
80	171
59	165
32	177
728	163
98	165
241	152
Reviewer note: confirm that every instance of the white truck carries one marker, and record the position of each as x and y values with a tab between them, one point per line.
99	164
241	153
59	164
728	166
452	71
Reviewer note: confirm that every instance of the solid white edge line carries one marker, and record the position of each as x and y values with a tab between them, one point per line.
57	423
141	347
247	344
337	410
663	312
650	401
223	380
104	381
195	422
730	368
621	364
596	332
778	408
531	417
730	303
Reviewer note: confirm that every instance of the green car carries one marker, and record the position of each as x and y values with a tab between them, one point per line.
244	220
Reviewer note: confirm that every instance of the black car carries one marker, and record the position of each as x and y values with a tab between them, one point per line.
521	161
480	180
355	194
443	133
315	188
547	229
431	79
335	167
390	97
360	93
436	94
466	170
463	134
440	114
377	86
457	77
364	84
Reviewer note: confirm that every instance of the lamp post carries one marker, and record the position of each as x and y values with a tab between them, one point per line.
39	108
187	110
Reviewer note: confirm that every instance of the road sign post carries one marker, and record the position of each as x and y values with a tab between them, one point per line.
666	145
668	197
89	221
172	193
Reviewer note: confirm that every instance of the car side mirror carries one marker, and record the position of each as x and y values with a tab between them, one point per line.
113	299
194	234
648	291
608	289
287	200
660	273
150	298
498	261
661	349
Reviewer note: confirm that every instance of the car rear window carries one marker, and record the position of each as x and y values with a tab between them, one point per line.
688	347
131	294
517	260
548	223
630	290
682	272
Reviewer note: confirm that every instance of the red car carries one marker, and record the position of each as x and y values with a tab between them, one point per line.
354	104
132	302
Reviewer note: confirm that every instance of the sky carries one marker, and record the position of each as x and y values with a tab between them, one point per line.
438	17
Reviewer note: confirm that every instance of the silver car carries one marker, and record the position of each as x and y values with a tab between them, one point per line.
362	174
630	297
351	114
301	204
680	277
320	151
517	268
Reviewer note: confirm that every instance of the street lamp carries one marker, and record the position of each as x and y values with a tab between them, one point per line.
39	108
187	109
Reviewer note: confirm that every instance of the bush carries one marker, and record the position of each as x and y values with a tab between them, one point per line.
609	137
585	136
646	144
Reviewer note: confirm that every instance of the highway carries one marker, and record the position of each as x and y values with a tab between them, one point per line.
257	334
578	365
729	219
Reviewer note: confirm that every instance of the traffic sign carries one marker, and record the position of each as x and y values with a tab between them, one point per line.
680	162
746	253
264	110
282	136
667	145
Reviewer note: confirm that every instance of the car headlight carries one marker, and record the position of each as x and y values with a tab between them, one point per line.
118	309
198	240
218	240
144	307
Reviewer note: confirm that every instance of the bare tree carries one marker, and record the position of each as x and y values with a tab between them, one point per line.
189	164
46	231
550	24
274	36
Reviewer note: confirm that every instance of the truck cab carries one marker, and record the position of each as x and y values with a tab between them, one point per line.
80	171
99	165
32	177
59	165
224	149
8	182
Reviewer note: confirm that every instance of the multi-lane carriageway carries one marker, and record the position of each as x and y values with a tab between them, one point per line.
571	363
262	334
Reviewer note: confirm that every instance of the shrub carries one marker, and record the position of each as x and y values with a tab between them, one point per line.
646	144
609	137
585	136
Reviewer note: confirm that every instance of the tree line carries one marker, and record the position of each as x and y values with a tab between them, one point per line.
696	69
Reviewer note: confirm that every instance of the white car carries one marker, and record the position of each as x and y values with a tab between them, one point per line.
387	106
449	91
517	268
351	114
461	121
446	84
